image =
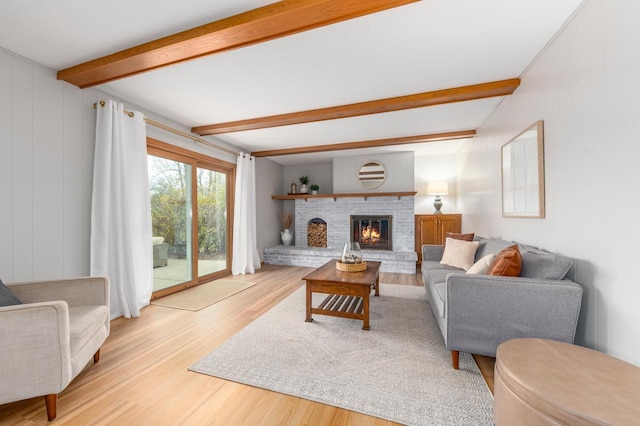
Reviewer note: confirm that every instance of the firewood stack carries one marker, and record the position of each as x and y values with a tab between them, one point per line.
317	235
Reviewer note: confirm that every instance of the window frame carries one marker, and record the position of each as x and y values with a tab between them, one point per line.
196	160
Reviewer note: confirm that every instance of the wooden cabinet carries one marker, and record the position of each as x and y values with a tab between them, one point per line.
432	229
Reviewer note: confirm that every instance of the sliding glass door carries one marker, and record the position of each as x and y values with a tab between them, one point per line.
212	221
171	211
190	196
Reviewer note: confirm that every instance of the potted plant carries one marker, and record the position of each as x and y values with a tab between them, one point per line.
304	180
314	189
286	235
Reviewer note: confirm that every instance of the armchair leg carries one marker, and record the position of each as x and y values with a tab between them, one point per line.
51	402
455	359
96	356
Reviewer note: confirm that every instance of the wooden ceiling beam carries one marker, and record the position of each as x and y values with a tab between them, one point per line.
462	134
419	100
272	21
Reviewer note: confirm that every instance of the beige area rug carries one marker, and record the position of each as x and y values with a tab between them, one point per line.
399	371
199	297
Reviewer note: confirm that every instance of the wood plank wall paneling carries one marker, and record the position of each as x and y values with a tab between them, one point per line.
47	158
6	165
78	170
22	190
46	163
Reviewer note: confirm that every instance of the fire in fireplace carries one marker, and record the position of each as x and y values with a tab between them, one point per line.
371	232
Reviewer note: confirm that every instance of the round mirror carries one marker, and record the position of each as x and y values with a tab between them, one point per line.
371	175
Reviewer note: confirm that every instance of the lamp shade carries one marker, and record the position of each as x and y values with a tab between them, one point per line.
438	187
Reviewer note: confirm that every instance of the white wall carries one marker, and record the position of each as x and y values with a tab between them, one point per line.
269	178
47	133
430	168
319	173
585	87
398	167
47	129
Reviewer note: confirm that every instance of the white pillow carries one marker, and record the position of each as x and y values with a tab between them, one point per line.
481	266
459	254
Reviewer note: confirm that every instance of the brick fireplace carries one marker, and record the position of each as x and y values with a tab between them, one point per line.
397	254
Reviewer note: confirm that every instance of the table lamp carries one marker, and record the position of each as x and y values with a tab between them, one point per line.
438	188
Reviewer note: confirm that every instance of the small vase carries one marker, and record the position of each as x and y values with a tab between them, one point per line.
303	189
314	192
287	237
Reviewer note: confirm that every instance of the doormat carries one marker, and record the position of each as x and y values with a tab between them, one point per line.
196	298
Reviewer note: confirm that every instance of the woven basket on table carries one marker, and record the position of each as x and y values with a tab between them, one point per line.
351	267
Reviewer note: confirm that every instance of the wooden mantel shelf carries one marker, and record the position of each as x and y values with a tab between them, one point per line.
364	195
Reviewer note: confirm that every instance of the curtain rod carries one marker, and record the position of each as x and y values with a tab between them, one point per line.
177	132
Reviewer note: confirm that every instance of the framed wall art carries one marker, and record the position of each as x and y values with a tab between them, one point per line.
523	174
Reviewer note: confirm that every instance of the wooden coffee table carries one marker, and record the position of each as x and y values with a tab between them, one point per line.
348	292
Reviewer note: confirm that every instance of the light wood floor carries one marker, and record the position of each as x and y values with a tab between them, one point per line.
142	376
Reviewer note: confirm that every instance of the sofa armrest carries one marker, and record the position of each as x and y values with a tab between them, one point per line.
35	351
432	252
75	291
483	311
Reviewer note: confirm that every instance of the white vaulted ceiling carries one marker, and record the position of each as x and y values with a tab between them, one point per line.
425	46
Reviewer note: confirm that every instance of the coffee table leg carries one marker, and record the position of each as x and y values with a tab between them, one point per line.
378	285
365	300
308	319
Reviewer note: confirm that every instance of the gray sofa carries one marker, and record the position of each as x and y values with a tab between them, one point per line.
478	312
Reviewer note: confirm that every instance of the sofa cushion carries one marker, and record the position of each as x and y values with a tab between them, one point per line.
482	265
546	266
428	265
84	321
490	246
507	263
441	302
435	276
459	253
6	297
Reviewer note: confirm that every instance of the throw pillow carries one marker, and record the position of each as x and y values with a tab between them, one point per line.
546	266
459	253
463	237
507	263
482	265
6	297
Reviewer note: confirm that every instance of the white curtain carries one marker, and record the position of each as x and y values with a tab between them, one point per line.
245	243
121	246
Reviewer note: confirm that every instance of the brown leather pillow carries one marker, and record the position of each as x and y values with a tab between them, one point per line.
463	237
507	263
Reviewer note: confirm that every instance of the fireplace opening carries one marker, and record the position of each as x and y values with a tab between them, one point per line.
317	233
371	232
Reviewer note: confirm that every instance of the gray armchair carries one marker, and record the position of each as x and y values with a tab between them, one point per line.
160	254
49	338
